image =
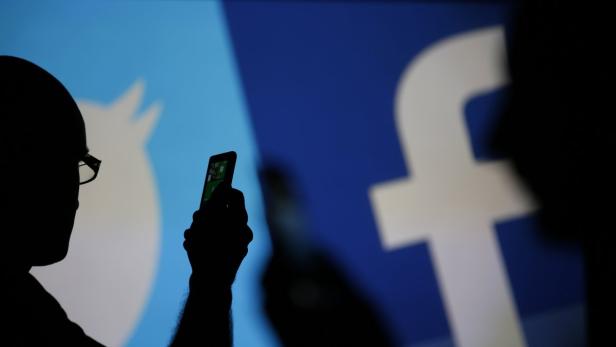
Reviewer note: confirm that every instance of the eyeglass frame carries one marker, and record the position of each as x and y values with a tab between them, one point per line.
93	163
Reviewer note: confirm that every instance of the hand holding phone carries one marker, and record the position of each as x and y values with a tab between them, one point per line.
217	240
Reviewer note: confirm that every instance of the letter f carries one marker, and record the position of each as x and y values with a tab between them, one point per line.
452	201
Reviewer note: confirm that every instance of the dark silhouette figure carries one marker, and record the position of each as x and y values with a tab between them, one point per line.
216	242
43	160
308	299
558	129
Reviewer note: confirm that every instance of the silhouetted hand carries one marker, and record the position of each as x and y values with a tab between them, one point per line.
217	240
216	243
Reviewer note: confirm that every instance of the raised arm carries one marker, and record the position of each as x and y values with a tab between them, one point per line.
216	243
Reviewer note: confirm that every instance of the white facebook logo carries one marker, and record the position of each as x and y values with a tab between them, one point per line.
452	201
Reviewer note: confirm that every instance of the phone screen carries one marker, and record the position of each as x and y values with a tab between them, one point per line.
216	173
220	169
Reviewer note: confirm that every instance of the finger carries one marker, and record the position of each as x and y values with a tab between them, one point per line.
220	194
225	195
236	197
236	206
238	216
228	205
198	219
246	235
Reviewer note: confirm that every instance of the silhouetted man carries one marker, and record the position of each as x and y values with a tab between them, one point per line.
43	160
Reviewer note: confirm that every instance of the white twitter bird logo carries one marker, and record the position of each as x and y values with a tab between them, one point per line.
105	281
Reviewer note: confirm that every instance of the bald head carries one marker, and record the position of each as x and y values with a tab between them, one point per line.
37	111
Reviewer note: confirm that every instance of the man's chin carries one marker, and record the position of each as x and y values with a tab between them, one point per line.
52	247
48	259
50	253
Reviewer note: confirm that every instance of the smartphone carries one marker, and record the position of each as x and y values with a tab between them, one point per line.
219	170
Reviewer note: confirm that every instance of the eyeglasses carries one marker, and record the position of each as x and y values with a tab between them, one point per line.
88	169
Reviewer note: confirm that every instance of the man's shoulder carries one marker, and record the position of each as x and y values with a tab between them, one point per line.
37	318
